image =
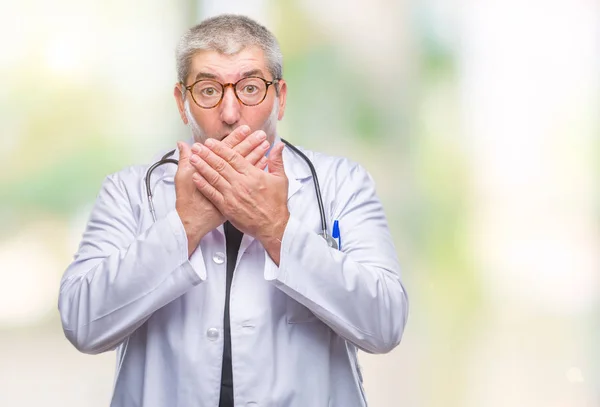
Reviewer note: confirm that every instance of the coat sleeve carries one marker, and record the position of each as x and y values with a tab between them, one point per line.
357	291
118	279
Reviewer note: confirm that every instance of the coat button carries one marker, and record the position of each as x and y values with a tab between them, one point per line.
212	334
219	257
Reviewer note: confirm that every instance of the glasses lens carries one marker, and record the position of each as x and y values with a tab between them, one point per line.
251	91
207	93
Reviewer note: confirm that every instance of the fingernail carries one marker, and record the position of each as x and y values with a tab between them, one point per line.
245	130
197	147
194	159
260	135
264	145
209	143
196	177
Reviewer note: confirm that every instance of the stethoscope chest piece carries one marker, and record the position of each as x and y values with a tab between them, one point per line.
331	241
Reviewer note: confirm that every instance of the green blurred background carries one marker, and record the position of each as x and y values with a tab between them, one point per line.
477	119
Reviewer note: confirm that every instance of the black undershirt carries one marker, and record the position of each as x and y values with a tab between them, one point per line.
233	238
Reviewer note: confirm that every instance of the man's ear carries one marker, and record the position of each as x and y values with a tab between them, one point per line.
179	98
282	97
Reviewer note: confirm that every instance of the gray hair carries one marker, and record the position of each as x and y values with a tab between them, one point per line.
228	34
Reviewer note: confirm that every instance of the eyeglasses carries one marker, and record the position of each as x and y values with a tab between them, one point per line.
251	91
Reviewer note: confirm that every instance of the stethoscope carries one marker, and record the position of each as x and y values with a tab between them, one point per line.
324	233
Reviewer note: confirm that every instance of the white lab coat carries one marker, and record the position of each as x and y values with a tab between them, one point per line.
295	329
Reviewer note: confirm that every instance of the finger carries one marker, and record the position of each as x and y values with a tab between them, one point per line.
246	146
258	153
208	173
262	163
208	190
184	151
216	162
234	159
276	160
238	135
184	166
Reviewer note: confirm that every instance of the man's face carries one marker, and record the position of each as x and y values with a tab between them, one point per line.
221	120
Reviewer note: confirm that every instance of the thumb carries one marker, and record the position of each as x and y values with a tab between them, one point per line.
275	162
184	151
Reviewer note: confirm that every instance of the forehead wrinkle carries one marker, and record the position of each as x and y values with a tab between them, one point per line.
221	65
241	74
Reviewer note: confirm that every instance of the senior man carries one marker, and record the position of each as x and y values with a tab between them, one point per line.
211	278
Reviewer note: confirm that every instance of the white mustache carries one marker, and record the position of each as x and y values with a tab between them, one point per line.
201	136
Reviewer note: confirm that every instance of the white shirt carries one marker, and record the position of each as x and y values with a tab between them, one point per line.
295	329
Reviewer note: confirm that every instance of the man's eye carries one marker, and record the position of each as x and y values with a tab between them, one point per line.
250	89
209	91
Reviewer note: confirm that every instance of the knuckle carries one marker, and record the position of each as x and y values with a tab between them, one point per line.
220	166
214	179
234	158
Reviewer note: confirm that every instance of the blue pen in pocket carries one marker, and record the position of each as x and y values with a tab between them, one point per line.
336	233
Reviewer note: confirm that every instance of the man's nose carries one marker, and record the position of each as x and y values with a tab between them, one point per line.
230	107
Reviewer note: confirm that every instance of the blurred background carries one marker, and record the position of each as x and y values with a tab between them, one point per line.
479	121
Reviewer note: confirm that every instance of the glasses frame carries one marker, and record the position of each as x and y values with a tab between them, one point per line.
233	86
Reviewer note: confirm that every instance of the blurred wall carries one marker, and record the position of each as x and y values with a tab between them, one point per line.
477	119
